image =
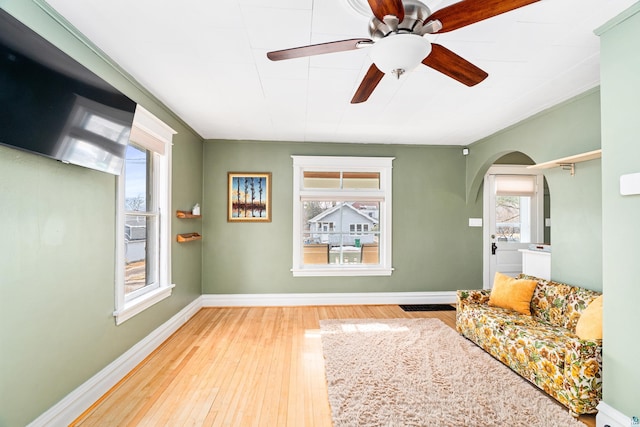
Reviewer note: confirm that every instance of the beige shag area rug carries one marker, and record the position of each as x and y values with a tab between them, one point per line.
420	372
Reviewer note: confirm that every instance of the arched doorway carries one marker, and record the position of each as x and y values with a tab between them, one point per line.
515	199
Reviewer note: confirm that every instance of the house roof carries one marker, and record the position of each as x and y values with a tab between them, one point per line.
329	211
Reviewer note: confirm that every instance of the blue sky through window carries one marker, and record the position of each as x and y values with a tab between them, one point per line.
135	179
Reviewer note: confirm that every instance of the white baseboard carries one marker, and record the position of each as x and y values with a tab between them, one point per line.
79	400
373	298
608	416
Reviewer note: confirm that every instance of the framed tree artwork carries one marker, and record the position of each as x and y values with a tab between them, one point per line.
249	197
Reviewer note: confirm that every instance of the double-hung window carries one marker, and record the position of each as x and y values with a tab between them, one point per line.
342	216
143	274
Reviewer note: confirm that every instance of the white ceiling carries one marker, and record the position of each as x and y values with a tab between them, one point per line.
206	60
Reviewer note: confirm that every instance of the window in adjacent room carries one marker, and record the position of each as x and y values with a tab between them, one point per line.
143	250
342	216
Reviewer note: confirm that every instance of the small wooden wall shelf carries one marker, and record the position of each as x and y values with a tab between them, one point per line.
188	237
186	214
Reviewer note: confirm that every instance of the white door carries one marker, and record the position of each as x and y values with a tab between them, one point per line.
513	218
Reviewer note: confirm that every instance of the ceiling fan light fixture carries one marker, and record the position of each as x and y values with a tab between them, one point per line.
399	52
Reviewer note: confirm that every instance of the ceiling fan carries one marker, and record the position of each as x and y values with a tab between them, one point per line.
397	43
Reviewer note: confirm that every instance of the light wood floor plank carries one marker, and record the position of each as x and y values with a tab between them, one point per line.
260	366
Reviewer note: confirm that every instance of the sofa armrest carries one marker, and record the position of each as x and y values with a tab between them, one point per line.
473	296
583	371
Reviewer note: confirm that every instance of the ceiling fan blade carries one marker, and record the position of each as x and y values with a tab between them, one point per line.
382	8
368	84
448	63
317	49
468	12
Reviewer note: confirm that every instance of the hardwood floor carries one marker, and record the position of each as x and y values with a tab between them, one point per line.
258	366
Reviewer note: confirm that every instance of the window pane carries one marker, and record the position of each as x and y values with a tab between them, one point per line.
350	180
359	180
338	232
135	187
141	254
513	221
321	179
141	230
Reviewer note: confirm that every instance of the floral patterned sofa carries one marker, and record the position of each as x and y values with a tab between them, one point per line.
543	347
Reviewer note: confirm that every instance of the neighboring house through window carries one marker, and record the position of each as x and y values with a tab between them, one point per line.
143	258
342	216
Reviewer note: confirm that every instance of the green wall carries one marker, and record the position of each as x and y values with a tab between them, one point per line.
569	128
57	256
620	68
430	233
434	249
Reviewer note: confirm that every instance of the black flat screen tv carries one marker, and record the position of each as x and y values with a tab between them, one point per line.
52	105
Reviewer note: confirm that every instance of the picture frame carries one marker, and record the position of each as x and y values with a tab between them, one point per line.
249	197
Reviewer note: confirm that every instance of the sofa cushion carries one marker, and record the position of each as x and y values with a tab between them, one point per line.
533	349
577	301
537	352
589	326
557	303
549	302
513	294
497	318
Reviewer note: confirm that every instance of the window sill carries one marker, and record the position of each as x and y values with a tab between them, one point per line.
344	272
140	304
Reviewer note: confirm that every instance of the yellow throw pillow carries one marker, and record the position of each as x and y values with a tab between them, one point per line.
589	326
513	294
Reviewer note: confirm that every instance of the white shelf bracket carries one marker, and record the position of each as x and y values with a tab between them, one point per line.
568	167
568	163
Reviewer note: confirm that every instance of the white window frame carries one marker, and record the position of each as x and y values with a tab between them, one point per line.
149	133
382	165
